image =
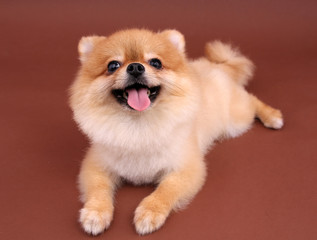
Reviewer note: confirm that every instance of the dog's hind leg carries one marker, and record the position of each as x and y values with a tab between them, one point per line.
270	117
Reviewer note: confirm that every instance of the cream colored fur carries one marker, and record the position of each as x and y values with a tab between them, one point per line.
201	101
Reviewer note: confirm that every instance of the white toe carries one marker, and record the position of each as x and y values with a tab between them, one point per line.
277	123
147	221
94	222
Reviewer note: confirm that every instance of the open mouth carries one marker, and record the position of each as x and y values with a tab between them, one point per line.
137	96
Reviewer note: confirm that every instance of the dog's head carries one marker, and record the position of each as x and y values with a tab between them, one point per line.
132	73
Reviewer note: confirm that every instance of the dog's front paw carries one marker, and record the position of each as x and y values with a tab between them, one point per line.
95	221
150	215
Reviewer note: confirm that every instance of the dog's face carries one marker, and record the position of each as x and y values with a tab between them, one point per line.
132	67
130	73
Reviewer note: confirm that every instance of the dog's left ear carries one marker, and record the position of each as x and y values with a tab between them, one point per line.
86	46
176	38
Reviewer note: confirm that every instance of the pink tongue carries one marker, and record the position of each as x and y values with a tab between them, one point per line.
138	99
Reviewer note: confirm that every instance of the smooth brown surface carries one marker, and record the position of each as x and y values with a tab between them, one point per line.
260	186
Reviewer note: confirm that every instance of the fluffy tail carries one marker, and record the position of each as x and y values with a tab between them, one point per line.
238	66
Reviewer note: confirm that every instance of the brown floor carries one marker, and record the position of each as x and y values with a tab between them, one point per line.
260	186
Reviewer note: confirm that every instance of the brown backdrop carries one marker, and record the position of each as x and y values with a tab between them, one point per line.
260	186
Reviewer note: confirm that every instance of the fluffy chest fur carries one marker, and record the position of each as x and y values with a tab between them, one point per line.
142	157
139	147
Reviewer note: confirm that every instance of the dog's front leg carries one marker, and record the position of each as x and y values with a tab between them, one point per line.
97	186
175	190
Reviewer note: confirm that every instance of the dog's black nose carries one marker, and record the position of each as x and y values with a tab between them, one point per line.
135	69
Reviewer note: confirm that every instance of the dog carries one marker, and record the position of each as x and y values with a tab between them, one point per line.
151	114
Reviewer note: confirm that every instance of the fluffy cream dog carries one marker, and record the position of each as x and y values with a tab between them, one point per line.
151	115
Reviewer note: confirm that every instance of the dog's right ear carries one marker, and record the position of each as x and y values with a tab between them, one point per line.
86	45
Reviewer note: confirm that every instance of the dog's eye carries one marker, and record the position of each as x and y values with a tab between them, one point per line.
113	66
155	63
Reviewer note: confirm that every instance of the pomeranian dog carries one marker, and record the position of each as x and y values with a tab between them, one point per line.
151	114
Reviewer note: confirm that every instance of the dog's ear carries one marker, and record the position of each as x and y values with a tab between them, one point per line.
86	45
176	38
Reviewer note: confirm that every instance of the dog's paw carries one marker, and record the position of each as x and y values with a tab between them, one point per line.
149	216
95	221
275	120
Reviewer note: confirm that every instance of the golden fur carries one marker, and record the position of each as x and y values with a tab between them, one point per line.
200	101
